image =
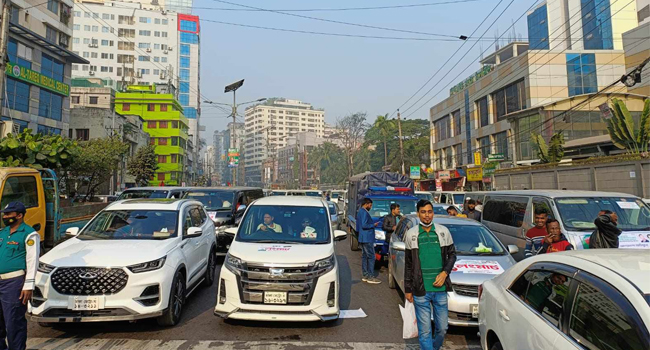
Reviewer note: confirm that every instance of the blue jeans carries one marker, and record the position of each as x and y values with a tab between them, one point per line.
423	306
368	259
13	325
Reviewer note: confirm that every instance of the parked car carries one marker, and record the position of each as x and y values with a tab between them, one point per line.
335	214
153	192
509	214
441	209
454	198
278	269
139	258
480	257
424	195
225	206
598	299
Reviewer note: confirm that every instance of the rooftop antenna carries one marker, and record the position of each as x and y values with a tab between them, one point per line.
496	40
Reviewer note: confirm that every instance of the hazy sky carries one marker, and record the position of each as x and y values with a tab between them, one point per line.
341	74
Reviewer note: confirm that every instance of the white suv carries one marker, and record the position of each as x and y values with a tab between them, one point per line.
137	258
281	265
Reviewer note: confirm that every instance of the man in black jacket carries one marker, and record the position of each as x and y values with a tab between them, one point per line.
391	220
429	258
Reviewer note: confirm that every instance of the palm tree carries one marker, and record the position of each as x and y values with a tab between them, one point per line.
385	129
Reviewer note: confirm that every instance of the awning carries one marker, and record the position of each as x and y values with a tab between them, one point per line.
39	40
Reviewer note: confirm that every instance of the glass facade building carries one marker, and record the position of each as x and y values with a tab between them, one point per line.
538	29
597	25
581	73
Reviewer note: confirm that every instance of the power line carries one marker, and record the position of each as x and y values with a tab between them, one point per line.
342	9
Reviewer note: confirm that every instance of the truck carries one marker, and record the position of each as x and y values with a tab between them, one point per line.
384	189
47	213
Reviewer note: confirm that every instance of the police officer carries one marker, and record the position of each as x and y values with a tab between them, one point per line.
19	251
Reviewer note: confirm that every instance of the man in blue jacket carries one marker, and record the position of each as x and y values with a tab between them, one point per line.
366	232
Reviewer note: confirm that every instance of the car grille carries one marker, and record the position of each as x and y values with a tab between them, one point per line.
461	316
89	280
466	290
298	282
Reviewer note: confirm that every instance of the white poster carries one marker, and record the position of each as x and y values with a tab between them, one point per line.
478	266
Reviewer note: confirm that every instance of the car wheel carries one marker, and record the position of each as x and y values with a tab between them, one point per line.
208	280
174	310
496	346
391	279
354	242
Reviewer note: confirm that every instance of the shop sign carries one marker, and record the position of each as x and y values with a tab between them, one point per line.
489	168
415	172
438	185
35	78
496	157
471	80
444	175
233	157
475	174
477	158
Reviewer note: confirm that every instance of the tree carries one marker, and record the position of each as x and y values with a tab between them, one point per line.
623	131
351	130
551	153
143	165
382	131
96	162
38	151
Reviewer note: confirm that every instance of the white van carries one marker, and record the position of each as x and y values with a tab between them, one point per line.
281	265
450	198
509	214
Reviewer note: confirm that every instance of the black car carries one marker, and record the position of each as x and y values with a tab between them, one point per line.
225	206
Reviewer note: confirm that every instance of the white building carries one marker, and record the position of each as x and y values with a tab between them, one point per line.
268	125
134	45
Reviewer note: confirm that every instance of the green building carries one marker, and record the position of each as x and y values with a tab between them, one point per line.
166	125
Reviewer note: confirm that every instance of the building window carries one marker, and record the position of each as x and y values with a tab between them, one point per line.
162	124
151	107
124	45
455	117
184	75
483	114
185	50
174	141
510	99
184	87
145	20
163	59
50	105
50	34
105	29
162	141
442	128
458	154
126	106
189	38
185	62
484	146
581	73
144	32
163	108
161	176
144	58
597	25
184	99
165	22
82	134
17	95
156	21
189	26
502	144
19	53
174	124
53	5
538	29
52	68
152	141
174	158
151	124
47	130
162	159
96	29
75	99
93	100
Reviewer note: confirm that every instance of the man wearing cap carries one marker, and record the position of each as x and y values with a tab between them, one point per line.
19	251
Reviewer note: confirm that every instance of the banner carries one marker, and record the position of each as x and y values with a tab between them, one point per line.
488	267
475	174
444	175
415	172
477	158
233	157
27	75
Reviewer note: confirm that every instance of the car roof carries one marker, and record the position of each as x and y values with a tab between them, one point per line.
560	193
156	188
221	189
447	220
294	201
150	204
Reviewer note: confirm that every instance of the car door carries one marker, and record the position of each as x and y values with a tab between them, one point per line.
398	257
531	312
191	245
507	216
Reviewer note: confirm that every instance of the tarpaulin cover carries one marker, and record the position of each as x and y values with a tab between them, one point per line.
358	187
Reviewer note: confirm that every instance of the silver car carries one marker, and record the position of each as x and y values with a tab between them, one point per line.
480	257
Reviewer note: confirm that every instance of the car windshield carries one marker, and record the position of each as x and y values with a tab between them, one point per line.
131	224
278	193
580	213
143	194
474	240
439	210
296	193
426	196
213	199
335	195
332	208
285	224
459	198
381	207
313	194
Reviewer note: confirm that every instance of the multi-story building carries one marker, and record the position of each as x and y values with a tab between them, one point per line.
36	86
293	162
268	126
220	150
134	45
167	128
569	56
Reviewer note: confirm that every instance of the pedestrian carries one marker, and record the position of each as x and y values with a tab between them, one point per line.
479	205
327	196
607	232
452	211
366	232
471	211
391	220
535	236
555	241
19	252
429	258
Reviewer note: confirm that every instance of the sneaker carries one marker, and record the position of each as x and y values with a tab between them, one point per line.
373	280
364	279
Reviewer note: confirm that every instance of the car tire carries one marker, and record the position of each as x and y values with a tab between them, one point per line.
392	284
496	346
174	311
354	242
208	279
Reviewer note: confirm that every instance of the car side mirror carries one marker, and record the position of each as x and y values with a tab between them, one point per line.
72	231
241	208
399	246
513	249
231	230
340	235
194	232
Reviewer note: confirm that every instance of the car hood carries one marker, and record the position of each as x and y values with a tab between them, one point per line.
280	253
98	253
474	270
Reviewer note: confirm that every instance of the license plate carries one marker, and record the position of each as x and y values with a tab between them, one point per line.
474	311
86	303
275	298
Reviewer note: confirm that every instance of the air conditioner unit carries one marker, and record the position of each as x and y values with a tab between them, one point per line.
165	52
9	127
148	50
162	75
170	48
139	75
91	73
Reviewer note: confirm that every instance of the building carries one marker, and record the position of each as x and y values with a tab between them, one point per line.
220	151
333	135
270	124
36	85
637	49
134	45
643	11
167	128
293	168
567	58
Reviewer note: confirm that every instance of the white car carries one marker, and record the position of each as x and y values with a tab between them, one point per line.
137	258
281	265
585	299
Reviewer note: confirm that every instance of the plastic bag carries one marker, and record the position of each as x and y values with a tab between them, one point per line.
410	329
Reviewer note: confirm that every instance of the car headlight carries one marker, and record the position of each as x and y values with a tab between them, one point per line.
45	268
148	266
380	235
325	265
234	264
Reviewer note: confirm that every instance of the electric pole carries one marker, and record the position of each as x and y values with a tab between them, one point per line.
401	146
4	33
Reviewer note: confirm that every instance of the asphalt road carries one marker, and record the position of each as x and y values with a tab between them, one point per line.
200	329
